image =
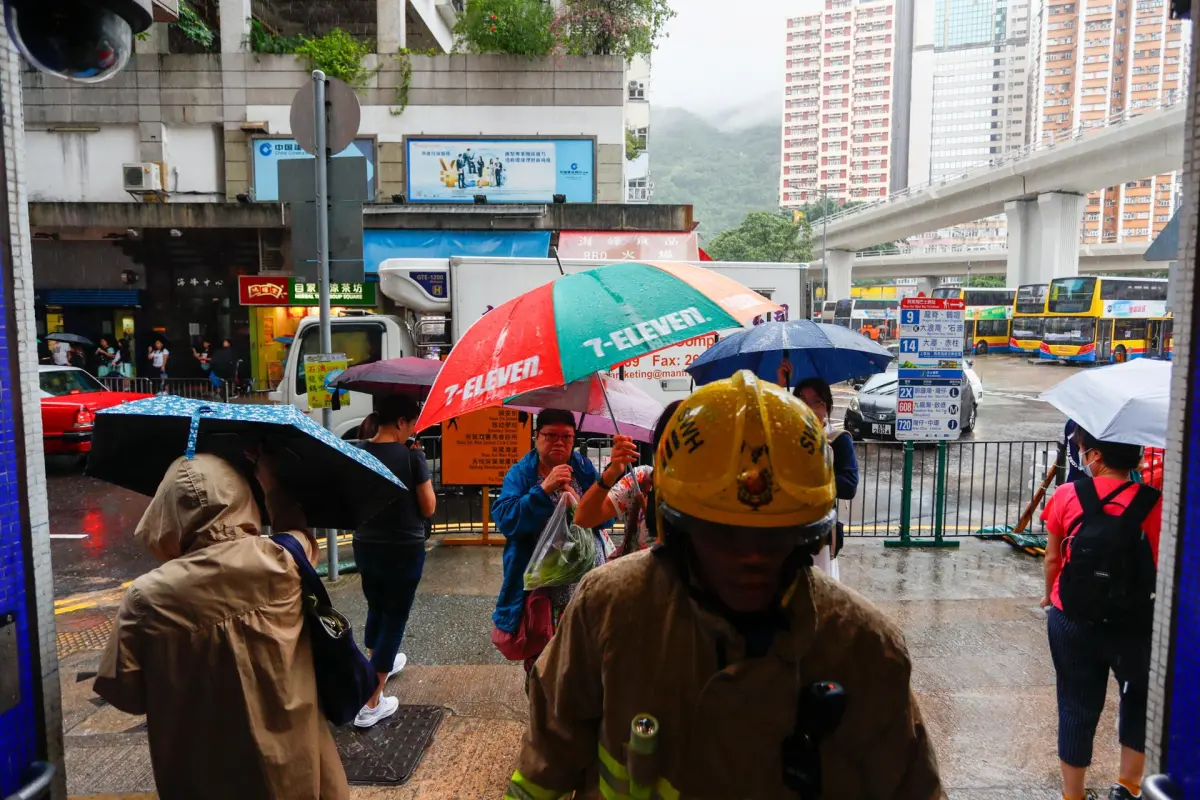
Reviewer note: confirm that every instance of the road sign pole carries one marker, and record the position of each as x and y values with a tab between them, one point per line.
939	493
321	162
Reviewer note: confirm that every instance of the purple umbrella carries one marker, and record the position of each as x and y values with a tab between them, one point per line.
635	411
392	376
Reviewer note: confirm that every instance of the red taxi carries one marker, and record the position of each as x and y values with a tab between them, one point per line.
70	399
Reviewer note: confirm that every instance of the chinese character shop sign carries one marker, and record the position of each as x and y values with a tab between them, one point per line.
930	392
319	369
257	290
479	448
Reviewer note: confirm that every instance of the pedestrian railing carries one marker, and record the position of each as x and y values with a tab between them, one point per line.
961	488
194	388
983	487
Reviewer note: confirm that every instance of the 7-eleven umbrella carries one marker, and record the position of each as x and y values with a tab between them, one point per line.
583	323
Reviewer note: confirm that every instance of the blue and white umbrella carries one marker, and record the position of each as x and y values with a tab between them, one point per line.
337	484
829	352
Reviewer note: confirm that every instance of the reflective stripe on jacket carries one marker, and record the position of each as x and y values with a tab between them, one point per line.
633	642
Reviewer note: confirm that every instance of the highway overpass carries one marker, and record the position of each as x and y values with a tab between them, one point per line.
1118	259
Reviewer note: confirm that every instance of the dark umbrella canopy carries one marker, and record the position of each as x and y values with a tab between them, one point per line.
829	352
70	338
337	484
391	376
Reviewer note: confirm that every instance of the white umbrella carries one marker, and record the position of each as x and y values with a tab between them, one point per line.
1122	403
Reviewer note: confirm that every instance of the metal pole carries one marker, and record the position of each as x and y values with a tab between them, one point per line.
939	496
321	163
824	247
906	492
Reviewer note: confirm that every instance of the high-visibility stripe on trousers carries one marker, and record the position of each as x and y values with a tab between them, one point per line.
521	788
614	785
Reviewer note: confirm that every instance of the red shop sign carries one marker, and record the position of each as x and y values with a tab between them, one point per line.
255	290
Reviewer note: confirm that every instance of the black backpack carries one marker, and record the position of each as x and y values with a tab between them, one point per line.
1110	576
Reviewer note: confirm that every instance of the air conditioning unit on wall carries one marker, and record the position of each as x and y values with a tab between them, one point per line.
143	178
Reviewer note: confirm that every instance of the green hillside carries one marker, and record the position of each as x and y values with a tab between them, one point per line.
724	174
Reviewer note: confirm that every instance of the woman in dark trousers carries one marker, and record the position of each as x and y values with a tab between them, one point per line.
817	395
389	551
1084	652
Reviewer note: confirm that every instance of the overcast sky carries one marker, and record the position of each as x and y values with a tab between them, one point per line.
721	53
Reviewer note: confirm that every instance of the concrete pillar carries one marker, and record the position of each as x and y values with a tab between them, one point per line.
390	22
838	266
1061	221
1024	241
235	26
927	284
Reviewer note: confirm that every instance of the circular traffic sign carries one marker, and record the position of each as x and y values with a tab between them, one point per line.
342	114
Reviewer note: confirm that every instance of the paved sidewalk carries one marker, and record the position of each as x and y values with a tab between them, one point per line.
977	637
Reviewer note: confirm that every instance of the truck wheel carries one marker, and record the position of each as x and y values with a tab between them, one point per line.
981	349
1119	355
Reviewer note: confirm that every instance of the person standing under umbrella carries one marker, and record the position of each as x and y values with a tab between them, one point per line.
614	496
1110	526
212	646
816	394
527	500
389	550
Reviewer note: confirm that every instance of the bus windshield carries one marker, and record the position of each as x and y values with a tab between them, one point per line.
1069	330
988	297
1031	299
1071	295
1027	328
947	292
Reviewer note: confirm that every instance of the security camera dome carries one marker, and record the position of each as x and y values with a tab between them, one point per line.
82	40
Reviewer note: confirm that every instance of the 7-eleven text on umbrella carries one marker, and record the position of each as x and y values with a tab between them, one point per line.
495	379
633	335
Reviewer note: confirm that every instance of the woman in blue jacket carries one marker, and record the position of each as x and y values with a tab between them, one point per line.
528	497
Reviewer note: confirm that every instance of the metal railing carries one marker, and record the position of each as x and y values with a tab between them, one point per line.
194	388
982	485
1049	142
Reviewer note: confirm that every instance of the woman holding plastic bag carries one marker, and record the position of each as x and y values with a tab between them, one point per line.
529	500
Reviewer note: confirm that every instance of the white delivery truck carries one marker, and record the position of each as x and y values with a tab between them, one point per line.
444	297
363	338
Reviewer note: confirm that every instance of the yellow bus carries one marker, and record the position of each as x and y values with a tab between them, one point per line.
988	319
1101	320
1029	316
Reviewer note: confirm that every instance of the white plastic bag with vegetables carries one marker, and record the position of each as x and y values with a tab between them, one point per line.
564	553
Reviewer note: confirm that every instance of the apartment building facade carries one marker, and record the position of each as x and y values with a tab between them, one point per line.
1101	59
970	84
845	130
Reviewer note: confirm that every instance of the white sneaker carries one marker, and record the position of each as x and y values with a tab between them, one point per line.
368	716
397	665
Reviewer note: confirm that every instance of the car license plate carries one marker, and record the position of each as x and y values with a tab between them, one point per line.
883	430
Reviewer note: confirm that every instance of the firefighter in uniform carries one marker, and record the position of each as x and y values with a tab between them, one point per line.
720	664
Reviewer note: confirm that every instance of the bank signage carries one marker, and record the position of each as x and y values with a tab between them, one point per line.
503	170
267	153
258	290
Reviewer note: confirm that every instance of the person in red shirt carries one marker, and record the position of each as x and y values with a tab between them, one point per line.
1084	653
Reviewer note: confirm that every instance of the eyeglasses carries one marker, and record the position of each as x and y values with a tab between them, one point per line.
557	437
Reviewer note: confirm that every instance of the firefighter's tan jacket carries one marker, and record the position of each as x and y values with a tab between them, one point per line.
634	642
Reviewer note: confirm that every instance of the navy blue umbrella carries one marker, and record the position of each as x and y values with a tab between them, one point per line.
338	485
829	352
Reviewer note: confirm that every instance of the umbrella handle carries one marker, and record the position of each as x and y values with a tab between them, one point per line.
194	431
616	427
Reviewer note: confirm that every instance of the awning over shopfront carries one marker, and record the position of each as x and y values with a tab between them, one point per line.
627	246
117	298
379	245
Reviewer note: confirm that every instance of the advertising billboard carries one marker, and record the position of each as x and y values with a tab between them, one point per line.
267	153
504	170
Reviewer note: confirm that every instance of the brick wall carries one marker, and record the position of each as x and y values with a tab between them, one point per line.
26	583
161	90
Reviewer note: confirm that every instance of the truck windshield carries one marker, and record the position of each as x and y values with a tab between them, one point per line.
362	342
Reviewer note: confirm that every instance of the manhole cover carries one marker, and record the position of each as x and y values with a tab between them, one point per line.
390	751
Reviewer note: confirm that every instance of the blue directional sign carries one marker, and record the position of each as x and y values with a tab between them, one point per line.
928	400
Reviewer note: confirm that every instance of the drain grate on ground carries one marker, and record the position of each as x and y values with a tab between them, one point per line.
92	638
389	752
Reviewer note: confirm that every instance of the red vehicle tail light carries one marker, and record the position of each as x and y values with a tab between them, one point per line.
84	417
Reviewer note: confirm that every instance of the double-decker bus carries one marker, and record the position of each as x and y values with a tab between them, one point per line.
875	319
1029	316
824	312
1101	320
988	317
